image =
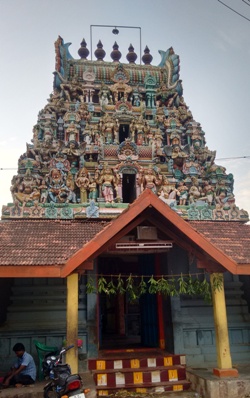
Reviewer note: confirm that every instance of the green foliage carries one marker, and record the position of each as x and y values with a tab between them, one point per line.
182	285
111	288
142	286
135	286
102	285
153	285
90	286
130	288
163	286
217	281
120	285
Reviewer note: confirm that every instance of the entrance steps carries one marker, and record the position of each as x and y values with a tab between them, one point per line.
139	371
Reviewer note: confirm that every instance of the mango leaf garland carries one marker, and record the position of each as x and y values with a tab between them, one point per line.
90	288
153	285
120	285
142	286
182	285
111	289
163	286
102	285
190	286
174	286
130	288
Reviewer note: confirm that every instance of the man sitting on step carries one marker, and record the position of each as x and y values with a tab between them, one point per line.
23	371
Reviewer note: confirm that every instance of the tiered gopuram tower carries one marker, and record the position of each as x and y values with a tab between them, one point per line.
109	131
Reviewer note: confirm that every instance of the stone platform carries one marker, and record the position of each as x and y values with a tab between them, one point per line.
203	385
206	385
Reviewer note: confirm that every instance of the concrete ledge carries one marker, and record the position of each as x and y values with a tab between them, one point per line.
209	385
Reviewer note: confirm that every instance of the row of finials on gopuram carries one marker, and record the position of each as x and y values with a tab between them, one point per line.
109	131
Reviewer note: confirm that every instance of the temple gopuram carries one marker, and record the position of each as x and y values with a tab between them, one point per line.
111	130
124	238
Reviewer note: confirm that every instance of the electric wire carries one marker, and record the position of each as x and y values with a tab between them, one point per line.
236	12
233	158
247	3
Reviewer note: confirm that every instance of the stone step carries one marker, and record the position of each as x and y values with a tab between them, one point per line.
148	388
139	372
135	361
131	377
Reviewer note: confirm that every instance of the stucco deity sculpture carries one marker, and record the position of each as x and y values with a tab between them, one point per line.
182	193
93	193
82	181
108	184
109	128
55	103
72	90
70	184
167	189
25	188
43	191
104	97
223	195
149	180
137	128
191	166
194	191
57	190
208	192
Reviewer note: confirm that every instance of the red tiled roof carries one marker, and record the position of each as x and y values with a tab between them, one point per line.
44	242
233	238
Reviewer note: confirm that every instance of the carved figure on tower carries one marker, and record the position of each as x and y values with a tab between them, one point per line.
182	193
139	128
223	195
104	97
109	128
93	192
71	90
167	190
58	192
26	188
82	181
208	192
149	180
194	191
108	183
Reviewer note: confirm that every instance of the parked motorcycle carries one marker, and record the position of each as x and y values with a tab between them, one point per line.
62	383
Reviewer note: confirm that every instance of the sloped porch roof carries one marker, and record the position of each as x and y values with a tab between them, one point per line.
56	248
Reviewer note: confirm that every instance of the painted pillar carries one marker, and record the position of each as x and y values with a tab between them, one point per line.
224	360
72	321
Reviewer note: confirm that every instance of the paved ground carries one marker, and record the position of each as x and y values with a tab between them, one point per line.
36	391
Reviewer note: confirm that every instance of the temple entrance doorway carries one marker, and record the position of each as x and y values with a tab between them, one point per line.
125	323
128	187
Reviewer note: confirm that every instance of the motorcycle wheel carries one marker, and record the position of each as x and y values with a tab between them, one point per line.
50	392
